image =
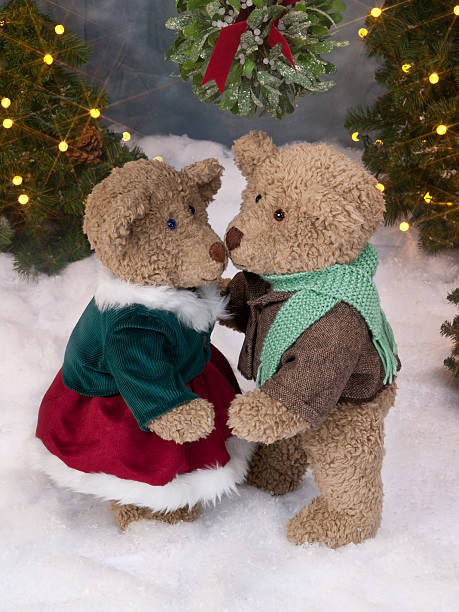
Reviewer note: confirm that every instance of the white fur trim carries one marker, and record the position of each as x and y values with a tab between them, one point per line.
205	485
198	309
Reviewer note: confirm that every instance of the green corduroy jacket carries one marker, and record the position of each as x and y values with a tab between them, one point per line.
145	355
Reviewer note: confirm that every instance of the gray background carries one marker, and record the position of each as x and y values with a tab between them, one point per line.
129	40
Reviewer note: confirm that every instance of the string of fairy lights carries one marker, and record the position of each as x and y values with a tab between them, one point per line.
62	145
434	78
376	13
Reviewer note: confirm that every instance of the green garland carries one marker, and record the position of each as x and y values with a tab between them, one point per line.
261	79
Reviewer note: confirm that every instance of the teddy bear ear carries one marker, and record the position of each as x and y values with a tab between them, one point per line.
108	222
252	150
207	176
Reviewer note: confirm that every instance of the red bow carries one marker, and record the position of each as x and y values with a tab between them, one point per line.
227	44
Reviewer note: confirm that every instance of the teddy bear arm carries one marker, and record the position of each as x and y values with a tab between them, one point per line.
185	423
315	370
237	290
150	384
257	417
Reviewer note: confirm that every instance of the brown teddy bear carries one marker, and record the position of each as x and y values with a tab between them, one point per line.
138	413
316	339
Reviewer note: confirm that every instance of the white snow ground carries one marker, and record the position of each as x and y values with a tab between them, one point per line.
61	551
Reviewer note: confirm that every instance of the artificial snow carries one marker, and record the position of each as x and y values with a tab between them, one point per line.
63	551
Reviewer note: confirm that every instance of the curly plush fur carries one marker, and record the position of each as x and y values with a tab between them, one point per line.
258	418
128	513
345	455
278	468
126	223
330	209
186	423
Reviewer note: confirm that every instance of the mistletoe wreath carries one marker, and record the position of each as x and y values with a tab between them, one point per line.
253	56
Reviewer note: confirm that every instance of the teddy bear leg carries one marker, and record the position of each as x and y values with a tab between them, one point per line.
279	467
128	513
346	455
177	516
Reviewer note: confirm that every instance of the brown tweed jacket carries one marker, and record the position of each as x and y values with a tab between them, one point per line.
333	361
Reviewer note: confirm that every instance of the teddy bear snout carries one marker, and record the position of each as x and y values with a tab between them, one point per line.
217	252
233	238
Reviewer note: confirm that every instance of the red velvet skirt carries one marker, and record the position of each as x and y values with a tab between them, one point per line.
100	434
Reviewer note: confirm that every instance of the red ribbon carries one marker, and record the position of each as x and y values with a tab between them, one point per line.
227	45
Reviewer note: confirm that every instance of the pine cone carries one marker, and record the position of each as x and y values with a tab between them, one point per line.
89	149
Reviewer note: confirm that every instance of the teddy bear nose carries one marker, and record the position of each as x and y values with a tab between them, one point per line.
233	238
217	252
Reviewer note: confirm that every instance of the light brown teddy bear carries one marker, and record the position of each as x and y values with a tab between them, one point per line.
316	340
138	413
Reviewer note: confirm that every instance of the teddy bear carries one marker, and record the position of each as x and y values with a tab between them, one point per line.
316	342
138	413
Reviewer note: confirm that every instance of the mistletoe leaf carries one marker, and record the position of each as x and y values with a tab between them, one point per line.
255	18
177	23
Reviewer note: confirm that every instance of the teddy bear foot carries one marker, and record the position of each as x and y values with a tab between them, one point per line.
278	468
318	523
128	513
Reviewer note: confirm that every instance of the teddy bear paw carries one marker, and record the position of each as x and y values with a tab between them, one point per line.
256	417
186	423
319	523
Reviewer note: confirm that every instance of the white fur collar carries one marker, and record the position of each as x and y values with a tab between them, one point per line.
198	309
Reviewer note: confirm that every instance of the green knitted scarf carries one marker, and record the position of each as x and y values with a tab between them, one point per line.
315	293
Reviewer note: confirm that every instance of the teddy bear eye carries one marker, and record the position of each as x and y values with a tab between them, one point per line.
192	209
279	215
171	224
258	198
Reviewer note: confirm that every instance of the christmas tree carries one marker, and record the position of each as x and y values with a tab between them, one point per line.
450	329
410	133
53	149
